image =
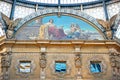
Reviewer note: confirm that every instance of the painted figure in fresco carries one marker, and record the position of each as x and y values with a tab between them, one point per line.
43	33
50	31
74	32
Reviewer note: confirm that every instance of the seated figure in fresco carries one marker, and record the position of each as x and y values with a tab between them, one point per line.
50	31
43	32
74	32
56	33
60	33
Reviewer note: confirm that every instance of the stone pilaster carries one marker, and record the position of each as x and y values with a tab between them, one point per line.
43	63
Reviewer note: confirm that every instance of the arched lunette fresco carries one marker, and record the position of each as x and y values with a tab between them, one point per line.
81	15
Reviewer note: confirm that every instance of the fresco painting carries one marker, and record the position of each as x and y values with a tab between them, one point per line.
61	28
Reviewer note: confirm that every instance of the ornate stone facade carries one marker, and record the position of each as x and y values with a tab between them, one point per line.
77	60
72	59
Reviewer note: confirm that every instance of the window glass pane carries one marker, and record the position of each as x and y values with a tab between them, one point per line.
60	66
95	67
25	66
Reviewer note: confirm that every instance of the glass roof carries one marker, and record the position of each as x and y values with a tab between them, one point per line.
62	1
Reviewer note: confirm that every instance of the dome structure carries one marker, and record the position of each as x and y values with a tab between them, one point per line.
62	1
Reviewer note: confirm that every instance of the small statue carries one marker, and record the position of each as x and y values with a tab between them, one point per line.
11	24
107	25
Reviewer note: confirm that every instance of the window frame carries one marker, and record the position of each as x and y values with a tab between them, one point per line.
25	62
96	62
60	62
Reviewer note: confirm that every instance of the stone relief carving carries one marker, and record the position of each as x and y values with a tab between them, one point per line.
115	63
43	64
78	60
6	63
32	67
43	60
10	24
103	65
107	25
78	65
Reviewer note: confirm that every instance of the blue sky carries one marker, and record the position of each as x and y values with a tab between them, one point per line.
66	21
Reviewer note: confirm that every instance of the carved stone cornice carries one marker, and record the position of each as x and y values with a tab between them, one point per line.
63	42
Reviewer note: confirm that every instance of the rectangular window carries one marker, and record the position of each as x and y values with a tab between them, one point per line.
95	66
25	66
60	66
